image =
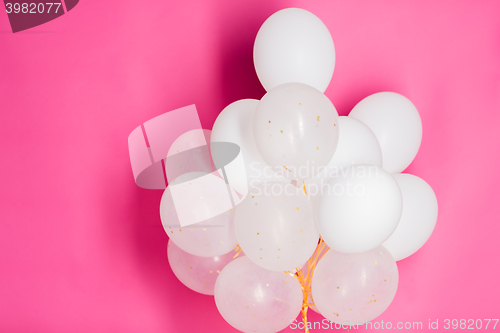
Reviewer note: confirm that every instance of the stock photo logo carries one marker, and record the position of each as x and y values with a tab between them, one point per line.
28	14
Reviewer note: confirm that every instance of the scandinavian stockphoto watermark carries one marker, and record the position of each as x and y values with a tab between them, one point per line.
431	324
208	180
317	180
308	170
325	324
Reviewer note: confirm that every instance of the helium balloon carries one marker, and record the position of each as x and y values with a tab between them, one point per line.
396	123
253	299
359	209
210	238
357	145
296	130
420	211
352	289
275	227
234	124
197	273
183	157
293	45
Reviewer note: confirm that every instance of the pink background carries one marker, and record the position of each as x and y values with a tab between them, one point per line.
81	246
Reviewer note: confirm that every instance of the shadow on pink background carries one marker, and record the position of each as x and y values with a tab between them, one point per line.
81	246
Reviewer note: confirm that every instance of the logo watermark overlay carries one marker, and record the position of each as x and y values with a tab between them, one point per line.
27	14
206	179
431	324
312	186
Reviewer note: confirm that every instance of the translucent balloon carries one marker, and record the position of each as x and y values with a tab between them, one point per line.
420	212
210	238
352	289
183	158
253	299
359	209
197	273
293	45
234	124
190	140
275	227
396	123
296	130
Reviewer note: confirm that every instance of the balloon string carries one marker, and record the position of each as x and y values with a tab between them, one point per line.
305	281
238	249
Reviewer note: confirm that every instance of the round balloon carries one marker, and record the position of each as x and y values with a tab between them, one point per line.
234	124
275	227
197	273
359	209
357	145
396	123
352	289
293	45
253	299
209	238
420	212
296	130
189	154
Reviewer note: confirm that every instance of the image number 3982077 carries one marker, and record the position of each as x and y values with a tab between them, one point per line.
26	14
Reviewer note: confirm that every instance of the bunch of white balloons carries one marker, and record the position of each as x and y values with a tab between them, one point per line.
309	174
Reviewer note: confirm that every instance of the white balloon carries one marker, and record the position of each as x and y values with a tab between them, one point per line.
359	209
420	211
197	273
275	227
352	289
234	124
357	145
396	123
253	299
183	158
296	130
293	45
210	238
